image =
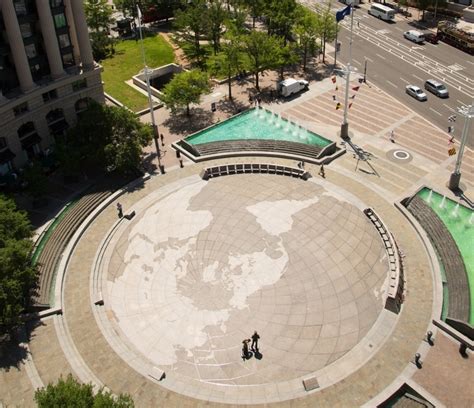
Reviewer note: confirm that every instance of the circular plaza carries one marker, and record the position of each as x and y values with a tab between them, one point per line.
204	264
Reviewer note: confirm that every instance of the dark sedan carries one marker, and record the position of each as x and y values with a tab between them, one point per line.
431	38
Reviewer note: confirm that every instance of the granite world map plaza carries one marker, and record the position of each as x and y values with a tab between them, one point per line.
158	305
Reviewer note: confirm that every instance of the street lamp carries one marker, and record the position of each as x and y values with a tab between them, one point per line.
150	99
468	113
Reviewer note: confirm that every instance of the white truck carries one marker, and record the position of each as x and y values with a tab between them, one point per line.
291	86
349	2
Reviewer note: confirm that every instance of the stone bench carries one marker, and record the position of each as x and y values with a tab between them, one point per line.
253	168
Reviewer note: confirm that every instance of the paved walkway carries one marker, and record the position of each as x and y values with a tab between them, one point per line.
242	208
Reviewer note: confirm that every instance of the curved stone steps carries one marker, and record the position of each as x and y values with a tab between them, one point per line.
448	251
51	254
258	145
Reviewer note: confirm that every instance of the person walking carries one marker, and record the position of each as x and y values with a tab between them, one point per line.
162	139
255	338
119	210
392	136
245	349
322	173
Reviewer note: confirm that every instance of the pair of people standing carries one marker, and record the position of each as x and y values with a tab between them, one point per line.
254	346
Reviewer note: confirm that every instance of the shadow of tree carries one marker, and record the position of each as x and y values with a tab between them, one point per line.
13	349
231	107
181	124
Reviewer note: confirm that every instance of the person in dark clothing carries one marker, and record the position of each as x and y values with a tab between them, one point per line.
119	210
255	338
245	349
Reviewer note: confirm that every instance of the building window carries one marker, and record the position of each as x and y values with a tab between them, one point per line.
20	7
31	50
60	20
20	109
82	104
68	60
25	29
49	96
78	85
55	3
64	40
26	130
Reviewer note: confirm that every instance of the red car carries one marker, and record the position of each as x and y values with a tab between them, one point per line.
431	38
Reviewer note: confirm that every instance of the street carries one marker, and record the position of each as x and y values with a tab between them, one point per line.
394	62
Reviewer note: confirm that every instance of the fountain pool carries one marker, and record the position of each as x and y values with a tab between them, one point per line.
460	223
257	123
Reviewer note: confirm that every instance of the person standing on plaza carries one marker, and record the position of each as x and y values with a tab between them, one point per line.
392	136
119	210
245	349
255	339
322	173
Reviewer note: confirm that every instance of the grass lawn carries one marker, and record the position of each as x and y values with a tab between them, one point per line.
127	62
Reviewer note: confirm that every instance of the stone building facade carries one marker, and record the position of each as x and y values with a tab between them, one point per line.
47	76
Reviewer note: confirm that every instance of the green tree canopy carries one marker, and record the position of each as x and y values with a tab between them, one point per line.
327	27
307	28
263	52
184	89
70	393
282	16
99	19
106	137
193	25
17	276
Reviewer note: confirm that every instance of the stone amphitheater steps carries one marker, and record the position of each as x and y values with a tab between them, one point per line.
258	145
455	270
51	253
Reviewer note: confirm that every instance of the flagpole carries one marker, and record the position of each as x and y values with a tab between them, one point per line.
345	124
150	100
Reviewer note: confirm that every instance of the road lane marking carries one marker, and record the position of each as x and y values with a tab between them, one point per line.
357	62
435	111
449	107
417	77
461	102
404	80
380	56
391	83
369	59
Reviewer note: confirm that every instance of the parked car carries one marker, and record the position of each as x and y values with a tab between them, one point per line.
431	38
416	92
437	88
415	36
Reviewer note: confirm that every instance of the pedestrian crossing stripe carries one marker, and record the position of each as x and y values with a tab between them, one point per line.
456	67
452	151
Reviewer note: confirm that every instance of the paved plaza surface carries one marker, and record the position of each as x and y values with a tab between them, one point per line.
204	264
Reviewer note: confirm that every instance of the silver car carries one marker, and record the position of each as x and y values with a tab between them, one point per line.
416	92
437	88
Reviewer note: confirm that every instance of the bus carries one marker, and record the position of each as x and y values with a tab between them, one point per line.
382	12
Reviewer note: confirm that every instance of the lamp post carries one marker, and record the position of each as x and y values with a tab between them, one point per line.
345	123
468	113
150	99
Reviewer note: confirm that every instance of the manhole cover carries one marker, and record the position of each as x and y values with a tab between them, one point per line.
399	155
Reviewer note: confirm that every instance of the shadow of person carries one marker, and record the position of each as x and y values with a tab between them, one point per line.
258	355
247	356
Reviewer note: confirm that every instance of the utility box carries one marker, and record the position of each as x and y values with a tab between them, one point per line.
291	86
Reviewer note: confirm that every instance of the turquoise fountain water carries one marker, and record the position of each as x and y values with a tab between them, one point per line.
459	221
257	123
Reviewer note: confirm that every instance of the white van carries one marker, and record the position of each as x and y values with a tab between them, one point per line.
382	12
415	36
291	86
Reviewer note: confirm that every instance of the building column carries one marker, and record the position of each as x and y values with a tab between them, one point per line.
17	47
50	38
82	32
72	32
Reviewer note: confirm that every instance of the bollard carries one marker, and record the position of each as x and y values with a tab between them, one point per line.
418	362
429	338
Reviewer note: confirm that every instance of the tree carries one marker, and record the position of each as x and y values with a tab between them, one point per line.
106	137
327	27
192	25
70	393
184	89
307	31
99	19
423	5
281	15
230	59
255	8
216	14
263	52
18	277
